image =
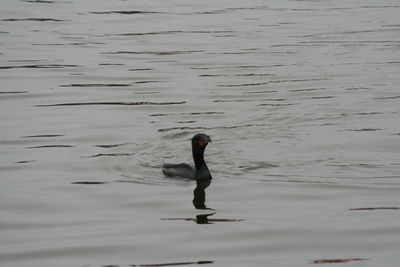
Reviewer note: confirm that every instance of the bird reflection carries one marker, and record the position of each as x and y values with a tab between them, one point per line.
199	193
199	201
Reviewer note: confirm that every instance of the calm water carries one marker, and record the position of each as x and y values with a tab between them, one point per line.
301	99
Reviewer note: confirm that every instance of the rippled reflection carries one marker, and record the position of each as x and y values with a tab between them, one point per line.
199	193
199	201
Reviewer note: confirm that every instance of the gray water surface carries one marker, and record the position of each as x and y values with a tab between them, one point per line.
300	98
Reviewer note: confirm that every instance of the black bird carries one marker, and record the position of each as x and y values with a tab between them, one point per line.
200	172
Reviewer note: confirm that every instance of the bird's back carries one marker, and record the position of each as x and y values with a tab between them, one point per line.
179	170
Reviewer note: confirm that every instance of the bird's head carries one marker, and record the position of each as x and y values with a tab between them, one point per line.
201	140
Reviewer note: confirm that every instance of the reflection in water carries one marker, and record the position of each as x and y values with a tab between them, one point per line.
200	194
203	218
199	201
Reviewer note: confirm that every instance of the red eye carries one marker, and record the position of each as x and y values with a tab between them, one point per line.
202	144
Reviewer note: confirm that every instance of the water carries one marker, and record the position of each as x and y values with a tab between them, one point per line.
301	99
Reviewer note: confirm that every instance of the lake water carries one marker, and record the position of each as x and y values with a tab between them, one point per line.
300	98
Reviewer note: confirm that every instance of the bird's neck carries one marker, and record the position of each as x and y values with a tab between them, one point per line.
198	157
202	172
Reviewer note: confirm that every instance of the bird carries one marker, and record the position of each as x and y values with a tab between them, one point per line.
184	170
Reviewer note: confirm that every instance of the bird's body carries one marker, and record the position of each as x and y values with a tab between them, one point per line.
200	171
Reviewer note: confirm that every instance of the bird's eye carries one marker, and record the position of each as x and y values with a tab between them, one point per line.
202	144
